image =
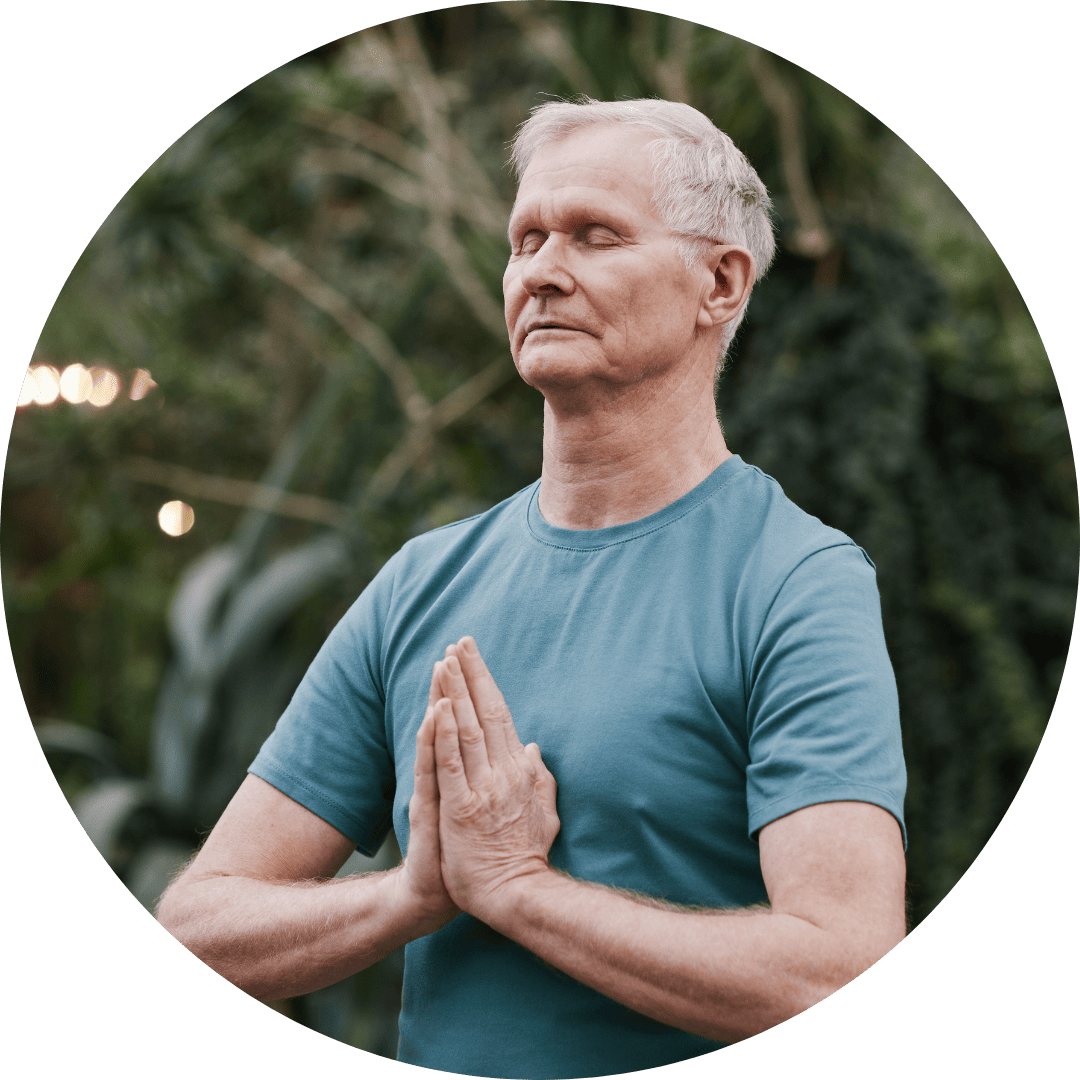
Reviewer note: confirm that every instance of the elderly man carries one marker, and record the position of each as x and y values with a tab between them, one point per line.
698	664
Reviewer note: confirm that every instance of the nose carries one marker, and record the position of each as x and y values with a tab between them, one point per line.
547	272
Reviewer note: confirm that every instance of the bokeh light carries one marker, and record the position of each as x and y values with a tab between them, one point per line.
29	389
141	384
98	385
106	386
46	384
176	518
76	384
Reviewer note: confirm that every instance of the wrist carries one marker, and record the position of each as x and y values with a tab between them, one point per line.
419	912
513	899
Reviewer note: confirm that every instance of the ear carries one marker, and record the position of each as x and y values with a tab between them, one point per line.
733	270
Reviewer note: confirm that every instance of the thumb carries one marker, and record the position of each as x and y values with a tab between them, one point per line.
542	778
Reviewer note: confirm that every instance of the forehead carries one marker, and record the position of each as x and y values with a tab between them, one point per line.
600	167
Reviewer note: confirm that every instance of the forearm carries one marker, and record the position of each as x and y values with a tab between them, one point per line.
724	975
834	874
279	940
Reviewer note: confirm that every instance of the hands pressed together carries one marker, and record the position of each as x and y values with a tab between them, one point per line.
482	821
482	813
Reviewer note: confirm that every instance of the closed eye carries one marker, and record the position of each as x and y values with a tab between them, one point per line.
531	242
592	235
597	236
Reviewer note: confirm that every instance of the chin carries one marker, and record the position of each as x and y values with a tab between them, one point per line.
556	368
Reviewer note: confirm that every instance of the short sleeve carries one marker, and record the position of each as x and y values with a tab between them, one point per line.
823	717
329	750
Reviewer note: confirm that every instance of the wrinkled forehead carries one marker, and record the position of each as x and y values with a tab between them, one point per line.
600	166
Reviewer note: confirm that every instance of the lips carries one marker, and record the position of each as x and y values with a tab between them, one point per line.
548	325
530	325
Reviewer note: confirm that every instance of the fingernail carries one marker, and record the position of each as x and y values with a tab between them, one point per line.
469	645
452	665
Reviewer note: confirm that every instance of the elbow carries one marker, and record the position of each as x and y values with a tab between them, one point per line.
864	951
851	965
795	991
180	912
183	911
199	919
845	951
736	1025
170	911
848	963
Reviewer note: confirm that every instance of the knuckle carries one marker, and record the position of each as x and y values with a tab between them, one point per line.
471	810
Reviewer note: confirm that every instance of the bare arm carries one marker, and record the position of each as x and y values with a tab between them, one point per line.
727	975
834	874
260	905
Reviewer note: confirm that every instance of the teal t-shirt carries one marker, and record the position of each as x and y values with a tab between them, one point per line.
688	677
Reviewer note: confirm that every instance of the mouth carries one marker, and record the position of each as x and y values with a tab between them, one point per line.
533	327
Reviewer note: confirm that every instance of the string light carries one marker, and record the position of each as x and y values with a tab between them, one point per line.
98	385
76	384
141	384
176	518
29	389
46	383
106	386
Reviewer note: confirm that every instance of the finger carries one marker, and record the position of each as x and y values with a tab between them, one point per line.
540	770
424	767
433	692
471	738
487	697
499	752
449	768
423	806
544	781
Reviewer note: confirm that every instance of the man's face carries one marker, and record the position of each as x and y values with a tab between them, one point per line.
595	288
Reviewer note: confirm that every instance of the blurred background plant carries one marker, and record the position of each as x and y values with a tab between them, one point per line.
283	354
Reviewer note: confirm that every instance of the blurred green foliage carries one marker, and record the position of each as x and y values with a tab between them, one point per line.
312	276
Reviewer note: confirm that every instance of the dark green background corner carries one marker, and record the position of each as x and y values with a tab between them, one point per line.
93	94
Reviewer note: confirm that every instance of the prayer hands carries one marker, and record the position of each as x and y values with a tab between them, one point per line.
496	798
422	870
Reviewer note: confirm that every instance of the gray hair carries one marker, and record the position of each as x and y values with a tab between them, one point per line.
706	191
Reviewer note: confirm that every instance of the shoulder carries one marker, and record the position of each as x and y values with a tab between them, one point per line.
425	563
800	582
467	533
768	533
438	555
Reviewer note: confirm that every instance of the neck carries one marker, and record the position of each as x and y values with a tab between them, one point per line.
624	459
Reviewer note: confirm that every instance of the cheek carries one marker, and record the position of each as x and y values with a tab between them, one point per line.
670	305
647	309
513	297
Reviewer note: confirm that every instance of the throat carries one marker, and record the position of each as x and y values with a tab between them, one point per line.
599	475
